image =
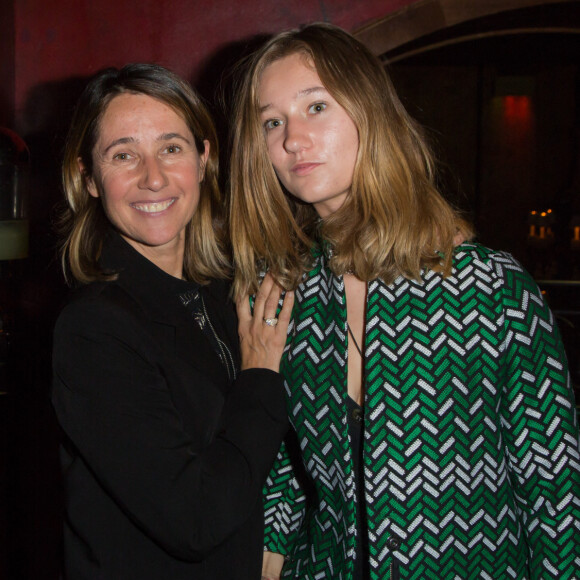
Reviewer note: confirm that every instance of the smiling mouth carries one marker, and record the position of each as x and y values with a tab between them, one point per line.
155	206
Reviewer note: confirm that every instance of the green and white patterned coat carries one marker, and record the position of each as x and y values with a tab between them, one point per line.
471	448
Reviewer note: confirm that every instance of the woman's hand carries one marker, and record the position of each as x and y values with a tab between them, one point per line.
263	335
272	566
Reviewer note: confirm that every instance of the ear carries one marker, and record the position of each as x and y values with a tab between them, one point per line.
89	182
203	160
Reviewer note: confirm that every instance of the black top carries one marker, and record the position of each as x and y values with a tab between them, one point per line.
164	456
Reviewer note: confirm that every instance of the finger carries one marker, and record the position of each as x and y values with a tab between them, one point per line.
243	309
262	296
272	301
286	312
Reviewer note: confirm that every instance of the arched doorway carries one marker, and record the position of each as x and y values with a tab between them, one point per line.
498	85
426	17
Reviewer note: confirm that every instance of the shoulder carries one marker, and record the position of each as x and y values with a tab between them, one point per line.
478	257
97	305
474	255
498	267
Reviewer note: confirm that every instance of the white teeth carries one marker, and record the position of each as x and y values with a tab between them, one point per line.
153	207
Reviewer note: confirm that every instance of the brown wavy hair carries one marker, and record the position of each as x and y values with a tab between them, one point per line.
394	222
84	223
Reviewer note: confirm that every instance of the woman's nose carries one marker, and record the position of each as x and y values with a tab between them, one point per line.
152	174
297	137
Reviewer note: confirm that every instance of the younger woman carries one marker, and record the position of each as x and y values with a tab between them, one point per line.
426	383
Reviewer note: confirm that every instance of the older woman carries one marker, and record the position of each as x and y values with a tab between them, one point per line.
169	437
426	383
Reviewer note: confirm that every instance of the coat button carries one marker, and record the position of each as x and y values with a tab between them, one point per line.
394	543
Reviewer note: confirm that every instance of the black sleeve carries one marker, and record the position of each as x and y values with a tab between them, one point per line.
112	401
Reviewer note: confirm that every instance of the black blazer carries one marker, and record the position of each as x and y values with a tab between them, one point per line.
164	457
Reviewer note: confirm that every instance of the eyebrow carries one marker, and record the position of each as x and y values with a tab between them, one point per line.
300	93
171	136
163	137
120	141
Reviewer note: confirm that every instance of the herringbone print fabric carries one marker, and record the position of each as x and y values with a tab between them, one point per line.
471	440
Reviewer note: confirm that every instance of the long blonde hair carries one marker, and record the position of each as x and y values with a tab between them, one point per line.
84	223
394	222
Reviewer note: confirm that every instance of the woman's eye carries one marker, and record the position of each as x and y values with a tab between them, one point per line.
317	108
272	124
173	149
122	156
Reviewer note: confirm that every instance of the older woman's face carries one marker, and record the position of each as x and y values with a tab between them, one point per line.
147	171
312	142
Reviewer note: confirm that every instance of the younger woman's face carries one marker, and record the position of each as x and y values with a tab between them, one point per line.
312	142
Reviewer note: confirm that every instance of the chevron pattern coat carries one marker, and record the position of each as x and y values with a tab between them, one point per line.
471	448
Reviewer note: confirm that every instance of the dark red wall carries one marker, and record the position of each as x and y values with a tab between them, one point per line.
56	40
6	62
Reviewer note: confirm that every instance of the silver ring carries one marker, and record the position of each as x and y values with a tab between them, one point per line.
271	321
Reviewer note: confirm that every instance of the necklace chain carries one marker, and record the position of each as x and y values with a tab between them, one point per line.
354	340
